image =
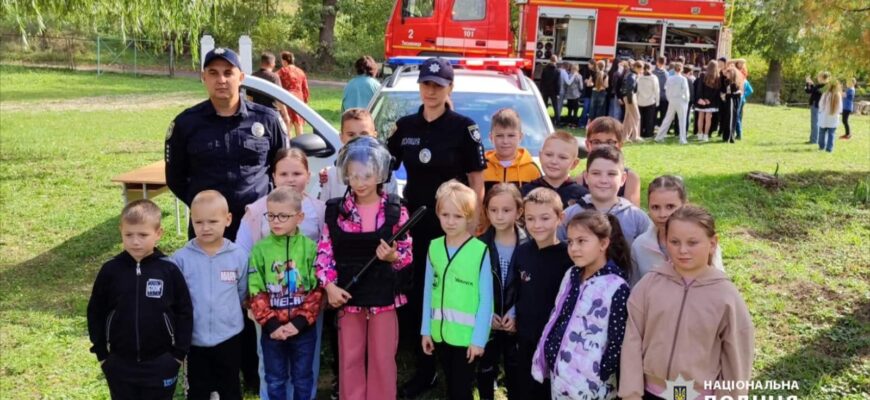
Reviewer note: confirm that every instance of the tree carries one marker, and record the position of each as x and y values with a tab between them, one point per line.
326	40
809	34
176	21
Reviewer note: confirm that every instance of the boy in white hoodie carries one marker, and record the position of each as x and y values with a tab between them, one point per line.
677	93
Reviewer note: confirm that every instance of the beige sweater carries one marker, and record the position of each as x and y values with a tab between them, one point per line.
702	331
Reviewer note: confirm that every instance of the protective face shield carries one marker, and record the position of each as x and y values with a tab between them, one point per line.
367	151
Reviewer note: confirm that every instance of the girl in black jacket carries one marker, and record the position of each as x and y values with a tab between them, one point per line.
503	205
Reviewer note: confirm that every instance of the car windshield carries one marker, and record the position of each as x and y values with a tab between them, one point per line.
391	106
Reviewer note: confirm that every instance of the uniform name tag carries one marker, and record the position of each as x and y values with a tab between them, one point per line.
154	288
228	276
411	141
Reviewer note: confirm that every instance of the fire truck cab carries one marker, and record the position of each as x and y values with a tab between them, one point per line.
449	28
636	29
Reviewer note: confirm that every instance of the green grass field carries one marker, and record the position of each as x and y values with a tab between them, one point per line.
799	255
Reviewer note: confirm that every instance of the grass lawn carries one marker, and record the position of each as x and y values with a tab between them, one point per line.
799	255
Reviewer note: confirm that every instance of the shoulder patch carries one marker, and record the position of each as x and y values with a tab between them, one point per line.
169	130
474	131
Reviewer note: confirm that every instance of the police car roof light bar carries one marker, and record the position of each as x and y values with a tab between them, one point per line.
468	62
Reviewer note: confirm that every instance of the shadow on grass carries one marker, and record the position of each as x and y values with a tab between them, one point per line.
60	279
827	354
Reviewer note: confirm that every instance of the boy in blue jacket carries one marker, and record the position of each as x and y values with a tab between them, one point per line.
139	315
216	272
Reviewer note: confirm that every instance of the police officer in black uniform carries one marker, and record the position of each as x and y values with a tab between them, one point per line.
227	144
436	144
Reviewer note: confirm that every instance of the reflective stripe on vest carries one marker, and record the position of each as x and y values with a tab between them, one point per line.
455	290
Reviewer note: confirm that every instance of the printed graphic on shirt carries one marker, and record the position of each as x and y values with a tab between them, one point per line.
287	293
154	288
228	276
525	276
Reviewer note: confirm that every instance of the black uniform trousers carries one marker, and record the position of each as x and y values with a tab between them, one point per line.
527	387
459	373
502	347
141	380
215	369
728	116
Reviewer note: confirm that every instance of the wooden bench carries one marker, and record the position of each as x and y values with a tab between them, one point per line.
146	182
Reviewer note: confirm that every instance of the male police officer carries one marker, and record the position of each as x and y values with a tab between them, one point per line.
436	145
227	144
224	143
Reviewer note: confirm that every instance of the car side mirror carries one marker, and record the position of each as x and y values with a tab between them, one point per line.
313	145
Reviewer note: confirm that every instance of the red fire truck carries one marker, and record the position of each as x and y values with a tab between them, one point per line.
573	30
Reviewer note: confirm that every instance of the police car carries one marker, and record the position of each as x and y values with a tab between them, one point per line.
321	146
481	86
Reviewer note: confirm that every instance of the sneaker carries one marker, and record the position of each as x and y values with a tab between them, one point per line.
417	386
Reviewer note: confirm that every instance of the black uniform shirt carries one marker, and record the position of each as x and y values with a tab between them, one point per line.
228	154
435	152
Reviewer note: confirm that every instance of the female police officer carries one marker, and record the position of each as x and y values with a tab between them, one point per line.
436	144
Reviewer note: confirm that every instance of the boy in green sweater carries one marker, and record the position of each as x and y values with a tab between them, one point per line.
285	297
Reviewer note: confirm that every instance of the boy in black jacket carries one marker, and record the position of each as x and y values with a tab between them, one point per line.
540	265
140	318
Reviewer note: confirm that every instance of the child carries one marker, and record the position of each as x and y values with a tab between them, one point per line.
677	93
730	93
647	101
216	271
628	93
540	265
815	92
666	194
606	131
289	169
503	206
605	172
848	106
354	122
579	350
139	316
686	319
507	161
598	102
830	107
707	99
358	225
285	297
457	296
559	155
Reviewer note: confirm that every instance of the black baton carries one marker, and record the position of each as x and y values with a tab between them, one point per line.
418	215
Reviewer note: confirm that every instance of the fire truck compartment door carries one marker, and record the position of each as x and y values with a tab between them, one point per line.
579	38
564	12
693	25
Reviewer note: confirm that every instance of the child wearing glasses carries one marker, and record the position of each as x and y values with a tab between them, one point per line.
285	297
289	169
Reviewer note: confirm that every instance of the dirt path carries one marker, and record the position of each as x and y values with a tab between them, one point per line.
128	102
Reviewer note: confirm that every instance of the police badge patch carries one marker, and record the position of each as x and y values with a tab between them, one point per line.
425	156
474	131
258	129
170	129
